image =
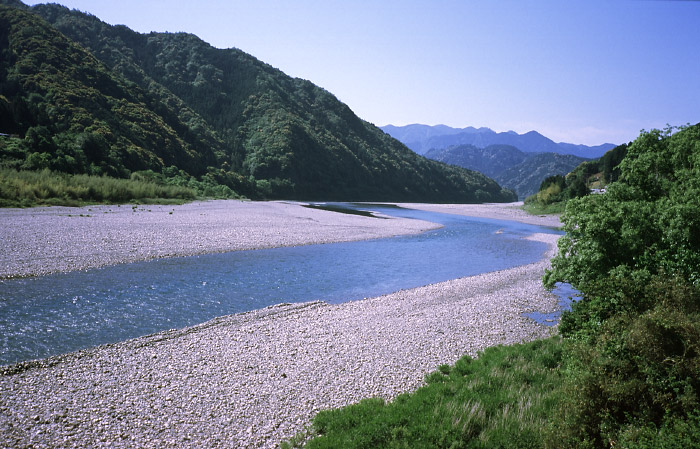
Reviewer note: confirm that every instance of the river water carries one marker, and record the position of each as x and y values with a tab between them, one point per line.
59	313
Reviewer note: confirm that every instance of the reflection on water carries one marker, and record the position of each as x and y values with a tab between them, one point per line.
59	313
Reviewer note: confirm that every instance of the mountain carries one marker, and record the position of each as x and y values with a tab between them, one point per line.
83	96
490	161
512	168
556	190
526	177
421	138
416	137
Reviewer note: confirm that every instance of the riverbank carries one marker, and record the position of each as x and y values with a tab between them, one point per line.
254	379
45	240
510	211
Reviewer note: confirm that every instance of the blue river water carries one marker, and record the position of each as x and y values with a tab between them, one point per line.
54	314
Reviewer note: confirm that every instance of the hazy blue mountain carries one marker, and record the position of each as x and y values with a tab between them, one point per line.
421	138
512	168
417	137
491	161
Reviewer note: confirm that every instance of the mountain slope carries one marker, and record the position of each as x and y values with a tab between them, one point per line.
60	97
526	177
422	138
243	123
491	161
512	168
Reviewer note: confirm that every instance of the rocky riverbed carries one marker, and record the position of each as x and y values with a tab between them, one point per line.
44	240
254	379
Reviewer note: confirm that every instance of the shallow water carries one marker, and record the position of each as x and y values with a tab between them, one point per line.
60	313
566	294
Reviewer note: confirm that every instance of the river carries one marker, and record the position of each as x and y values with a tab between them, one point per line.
58	313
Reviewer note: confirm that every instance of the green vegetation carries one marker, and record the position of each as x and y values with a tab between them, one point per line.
84	97
502	399
538	208
35	188
556	190
634	253
625	370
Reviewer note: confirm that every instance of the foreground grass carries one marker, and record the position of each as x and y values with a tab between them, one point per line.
36	188
504	398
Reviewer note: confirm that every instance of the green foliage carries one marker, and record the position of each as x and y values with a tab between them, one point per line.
44	187
673	434
499	400
649	220
555	191
636	365
634	253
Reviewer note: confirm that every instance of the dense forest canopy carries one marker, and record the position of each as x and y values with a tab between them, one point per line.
82	96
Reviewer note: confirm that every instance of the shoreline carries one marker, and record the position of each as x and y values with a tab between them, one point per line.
46	240
496	211
273	368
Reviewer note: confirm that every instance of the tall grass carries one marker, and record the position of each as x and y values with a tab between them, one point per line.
504	398
34	188
534	207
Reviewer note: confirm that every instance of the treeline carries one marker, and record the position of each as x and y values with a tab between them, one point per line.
85	97
625	369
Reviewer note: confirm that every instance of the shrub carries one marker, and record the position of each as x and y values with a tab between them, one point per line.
639	370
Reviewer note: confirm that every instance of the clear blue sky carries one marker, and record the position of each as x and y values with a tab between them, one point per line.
576	71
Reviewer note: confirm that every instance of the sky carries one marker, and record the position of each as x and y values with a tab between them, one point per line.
578	71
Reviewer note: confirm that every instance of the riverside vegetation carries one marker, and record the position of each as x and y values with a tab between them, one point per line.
556	190
79	96
44	187
625	369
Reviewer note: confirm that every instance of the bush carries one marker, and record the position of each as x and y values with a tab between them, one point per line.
640	369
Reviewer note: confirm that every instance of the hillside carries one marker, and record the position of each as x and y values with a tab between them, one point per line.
512	168
83	96
421	138
556	189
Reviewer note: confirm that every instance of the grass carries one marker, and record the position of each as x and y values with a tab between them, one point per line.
504	398
37	188
537	208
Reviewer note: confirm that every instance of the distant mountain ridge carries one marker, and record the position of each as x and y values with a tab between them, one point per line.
512	168
421	138
88	97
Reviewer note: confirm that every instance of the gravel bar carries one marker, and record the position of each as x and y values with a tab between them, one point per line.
45	240
254	379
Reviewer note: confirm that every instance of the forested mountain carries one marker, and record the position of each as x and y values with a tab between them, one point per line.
579	182
421	138
82	96
512	168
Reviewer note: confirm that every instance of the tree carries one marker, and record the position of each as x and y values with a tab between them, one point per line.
648	220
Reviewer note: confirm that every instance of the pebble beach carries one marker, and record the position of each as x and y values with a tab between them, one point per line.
254	379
